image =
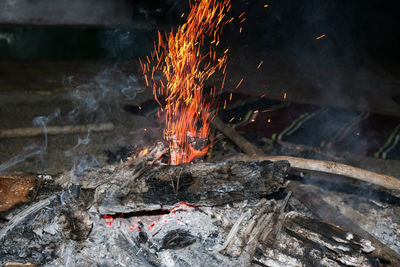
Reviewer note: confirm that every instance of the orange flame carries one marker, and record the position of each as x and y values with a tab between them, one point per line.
144	152
178	56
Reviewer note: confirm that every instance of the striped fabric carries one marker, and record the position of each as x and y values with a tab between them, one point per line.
338	129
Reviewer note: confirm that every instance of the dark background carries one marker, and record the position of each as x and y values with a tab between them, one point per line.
356	65
362	30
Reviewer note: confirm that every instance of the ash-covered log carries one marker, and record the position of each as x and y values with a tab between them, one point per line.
135	214
206	184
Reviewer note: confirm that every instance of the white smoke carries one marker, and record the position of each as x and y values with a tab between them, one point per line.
32	150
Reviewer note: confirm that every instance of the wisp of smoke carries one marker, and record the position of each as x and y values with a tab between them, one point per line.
81	161
94	99
32	150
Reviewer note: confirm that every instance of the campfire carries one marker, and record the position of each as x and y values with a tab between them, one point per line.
184	71
203	195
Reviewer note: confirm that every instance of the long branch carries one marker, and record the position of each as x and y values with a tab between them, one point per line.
332	167
54	130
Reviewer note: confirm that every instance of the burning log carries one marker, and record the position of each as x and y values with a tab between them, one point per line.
55	130
206	184
143	212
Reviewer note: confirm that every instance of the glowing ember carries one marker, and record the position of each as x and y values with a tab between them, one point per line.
144	152
178	56
165	216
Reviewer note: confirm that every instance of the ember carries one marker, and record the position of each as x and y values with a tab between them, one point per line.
184	70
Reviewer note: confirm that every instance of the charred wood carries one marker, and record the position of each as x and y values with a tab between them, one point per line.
207	184
327	213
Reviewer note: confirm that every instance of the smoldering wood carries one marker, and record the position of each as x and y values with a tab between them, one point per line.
227	221
326	212
309	242
42	239
206	184
24	215
55	130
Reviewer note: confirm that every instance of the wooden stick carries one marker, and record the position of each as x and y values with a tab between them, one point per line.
54	130
239	140
332	167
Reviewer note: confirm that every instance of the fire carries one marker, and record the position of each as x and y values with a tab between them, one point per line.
144	152
178	57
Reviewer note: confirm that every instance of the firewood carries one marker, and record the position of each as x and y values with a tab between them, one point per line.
233	231
326	212
55	130
239	140
332	167
207	184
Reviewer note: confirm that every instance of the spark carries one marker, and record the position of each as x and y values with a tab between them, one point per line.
259	65
266	5
284	96
178	57
319	37
240	82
